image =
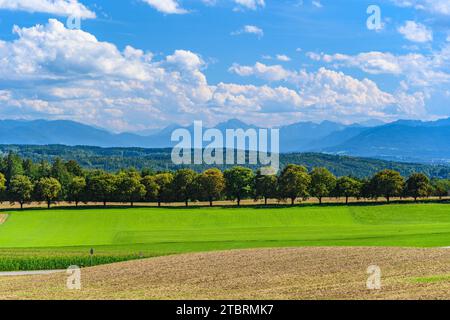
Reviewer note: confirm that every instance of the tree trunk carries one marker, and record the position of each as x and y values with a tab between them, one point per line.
346	200
293	201
186	203
388	198
159	203
104	203
239	201
210	202
265	201
21	205
320	200
48	204
132	203
76	203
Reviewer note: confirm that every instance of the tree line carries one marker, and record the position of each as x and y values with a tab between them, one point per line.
23	181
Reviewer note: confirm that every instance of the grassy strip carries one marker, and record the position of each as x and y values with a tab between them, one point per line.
432	279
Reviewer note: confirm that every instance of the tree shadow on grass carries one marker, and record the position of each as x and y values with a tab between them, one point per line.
229	207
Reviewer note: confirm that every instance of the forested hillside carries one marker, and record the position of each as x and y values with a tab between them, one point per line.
113	159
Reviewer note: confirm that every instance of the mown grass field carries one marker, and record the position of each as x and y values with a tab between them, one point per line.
53	239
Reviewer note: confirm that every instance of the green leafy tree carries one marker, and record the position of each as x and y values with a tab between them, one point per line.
294	183
2	187
77	190
102	187
59	172
418	185
238	183
441	188
74	168
348	187
20	190
48	189
129	187
265	186
388	184
44	170
13	167
164	182
210	185
368	189
151	188
147	172
183	185
30	169
322	183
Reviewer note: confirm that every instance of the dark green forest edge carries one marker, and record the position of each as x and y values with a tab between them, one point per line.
115	159
23	181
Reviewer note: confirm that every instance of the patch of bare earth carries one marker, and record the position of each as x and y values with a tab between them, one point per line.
3	218
291	273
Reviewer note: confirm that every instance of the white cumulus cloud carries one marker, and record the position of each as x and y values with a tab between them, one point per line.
283	57
166	6
249	29
251	4
434	6
336	92
418	69
57	7
416	32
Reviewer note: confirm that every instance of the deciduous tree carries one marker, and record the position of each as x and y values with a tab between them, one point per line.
441	187
322	183
164	182
183	185
348	187
210	185
20	190
294	183
151	188
418	185
2	187
101	187
388	184
48	189
238	183
77	190
129	187
265	186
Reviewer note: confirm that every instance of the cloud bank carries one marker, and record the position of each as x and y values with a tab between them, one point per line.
73	75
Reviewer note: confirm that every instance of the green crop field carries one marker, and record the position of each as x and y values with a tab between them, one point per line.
51	239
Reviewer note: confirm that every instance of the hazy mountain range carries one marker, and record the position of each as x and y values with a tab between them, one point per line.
415	141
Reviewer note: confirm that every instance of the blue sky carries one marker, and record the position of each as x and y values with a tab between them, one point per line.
140	64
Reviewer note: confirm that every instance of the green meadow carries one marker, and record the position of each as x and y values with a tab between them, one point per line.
57	238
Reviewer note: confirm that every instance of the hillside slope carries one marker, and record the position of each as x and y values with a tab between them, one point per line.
402	141
113	159
413	141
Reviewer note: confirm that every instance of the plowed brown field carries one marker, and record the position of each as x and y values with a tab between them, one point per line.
293	273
